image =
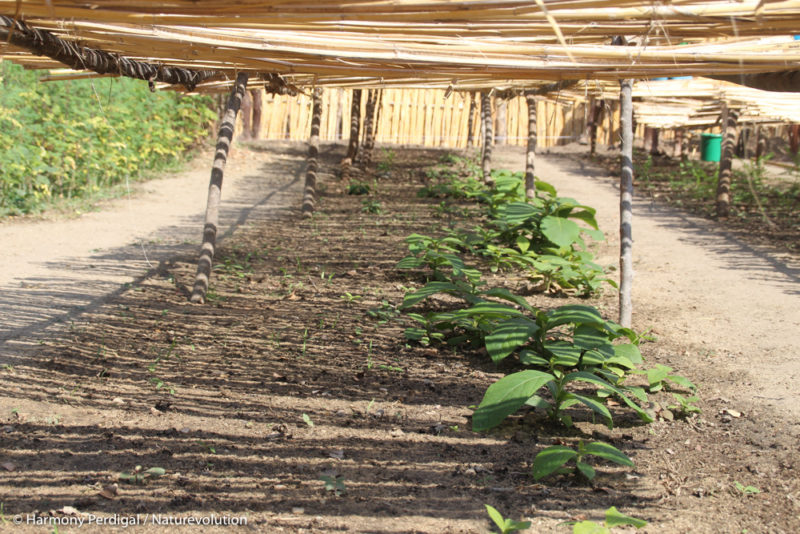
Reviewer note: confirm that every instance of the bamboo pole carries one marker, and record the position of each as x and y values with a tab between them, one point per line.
626	206
224	140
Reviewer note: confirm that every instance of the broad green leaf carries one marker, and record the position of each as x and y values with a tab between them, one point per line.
496	516
538	402
585	215
597	235
586	470
608	452
589	527
523	244
528	357
506	396
620	362
508	336
550	459
574	313
596	406
630	352
682	381
594	379
410	262
657	374
517	525
560	231
431	288
502	293
156	472
637	392
615	518
491	309
589	337
593	358
415	334
565	354
539	185
515	213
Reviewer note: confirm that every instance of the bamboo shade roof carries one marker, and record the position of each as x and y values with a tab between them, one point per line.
463	44
698	103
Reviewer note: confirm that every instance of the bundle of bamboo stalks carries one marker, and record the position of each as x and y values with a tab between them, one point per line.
462	44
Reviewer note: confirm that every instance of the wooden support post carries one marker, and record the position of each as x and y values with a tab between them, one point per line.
355	129
761	143
794	138
501	122
530	154
224	140
677	149
310	188
355	125
729	117
626	206
369	123
598	106
247	115
257	95
486	117
471	120
654	141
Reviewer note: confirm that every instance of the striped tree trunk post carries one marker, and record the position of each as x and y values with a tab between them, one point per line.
486	116
224	140
471	120
530	153
729	117
310	187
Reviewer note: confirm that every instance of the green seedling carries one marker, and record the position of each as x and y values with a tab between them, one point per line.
614	518
553	459
357	188
349	298
371	206
506	525
660	377
685	405
334	483
308	420
207	446
139	476
305	339
745	490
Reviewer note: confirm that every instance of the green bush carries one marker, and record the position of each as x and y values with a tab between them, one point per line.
72	138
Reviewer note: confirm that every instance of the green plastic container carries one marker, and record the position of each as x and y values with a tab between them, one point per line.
710	147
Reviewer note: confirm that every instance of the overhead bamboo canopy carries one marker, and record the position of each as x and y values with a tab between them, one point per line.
463	44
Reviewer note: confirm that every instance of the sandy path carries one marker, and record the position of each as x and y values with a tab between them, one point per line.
736	308
52	270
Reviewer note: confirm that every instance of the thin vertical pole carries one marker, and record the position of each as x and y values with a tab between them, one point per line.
626	206
310	187
486	160
726	162
224	140
530	153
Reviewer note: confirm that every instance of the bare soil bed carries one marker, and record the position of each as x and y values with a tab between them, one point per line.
283	377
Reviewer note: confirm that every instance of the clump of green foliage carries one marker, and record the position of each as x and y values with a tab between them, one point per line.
544	237
73	138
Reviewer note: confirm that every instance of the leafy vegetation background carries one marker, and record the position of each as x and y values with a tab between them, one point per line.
70	139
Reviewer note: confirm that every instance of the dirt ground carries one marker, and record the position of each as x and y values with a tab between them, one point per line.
282	377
